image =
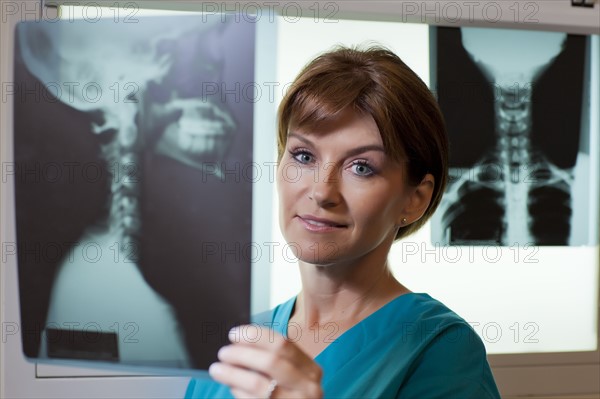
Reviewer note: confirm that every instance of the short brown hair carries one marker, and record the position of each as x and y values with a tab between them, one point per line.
374	81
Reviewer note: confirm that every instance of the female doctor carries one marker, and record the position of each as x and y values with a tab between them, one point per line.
368	141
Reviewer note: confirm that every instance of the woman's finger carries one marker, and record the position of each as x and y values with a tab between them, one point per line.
240	394
268	363
271	341
243	383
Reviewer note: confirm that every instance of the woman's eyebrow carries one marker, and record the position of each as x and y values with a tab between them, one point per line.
364	148
349	153
299	137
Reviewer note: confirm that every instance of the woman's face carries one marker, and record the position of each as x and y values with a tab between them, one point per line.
341	197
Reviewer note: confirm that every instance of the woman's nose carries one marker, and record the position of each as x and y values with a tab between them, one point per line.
325	187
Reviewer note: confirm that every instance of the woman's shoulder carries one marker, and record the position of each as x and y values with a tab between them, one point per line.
430	320
427	325
413	322
451	354
422	309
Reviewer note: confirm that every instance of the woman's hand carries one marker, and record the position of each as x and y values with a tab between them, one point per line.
260	359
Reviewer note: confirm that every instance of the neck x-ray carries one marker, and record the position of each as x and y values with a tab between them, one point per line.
132	215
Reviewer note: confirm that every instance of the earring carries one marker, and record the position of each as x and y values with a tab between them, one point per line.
403	221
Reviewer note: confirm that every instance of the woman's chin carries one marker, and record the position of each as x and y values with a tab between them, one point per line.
316	253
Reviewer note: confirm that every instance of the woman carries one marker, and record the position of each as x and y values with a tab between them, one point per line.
362	162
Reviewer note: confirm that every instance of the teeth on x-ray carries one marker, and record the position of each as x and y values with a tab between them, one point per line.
492	203
200	137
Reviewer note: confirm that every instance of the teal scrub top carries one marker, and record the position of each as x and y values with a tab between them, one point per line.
412	347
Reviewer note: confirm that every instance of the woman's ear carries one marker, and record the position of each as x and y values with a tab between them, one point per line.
418	201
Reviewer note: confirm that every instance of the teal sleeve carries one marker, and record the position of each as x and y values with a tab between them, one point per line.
454	365
207	389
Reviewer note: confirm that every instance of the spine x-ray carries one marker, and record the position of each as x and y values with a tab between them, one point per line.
133	213
516	105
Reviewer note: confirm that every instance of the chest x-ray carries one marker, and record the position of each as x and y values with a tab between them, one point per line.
516	104
132	213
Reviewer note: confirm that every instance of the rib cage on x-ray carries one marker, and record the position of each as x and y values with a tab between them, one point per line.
161	141
512	166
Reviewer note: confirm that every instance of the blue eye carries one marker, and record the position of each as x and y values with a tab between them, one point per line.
303	157
362	169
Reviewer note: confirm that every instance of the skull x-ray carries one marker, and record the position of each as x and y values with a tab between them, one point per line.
132	211
516	104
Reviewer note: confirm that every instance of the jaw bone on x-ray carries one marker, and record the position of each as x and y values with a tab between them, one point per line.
132	283
513	165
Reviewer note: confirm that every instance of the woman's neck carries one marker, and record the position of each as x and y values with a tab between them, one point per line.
345	293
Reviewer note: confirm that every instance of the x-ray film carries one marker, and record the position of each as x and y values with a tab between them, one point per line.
516	104
133	212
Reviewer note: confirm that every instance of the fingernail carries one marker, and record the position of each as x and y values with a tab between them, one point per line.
215	369
234	334
223	351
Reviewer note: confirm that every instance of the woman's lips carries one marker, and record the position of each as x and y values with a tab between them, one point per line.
316	224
